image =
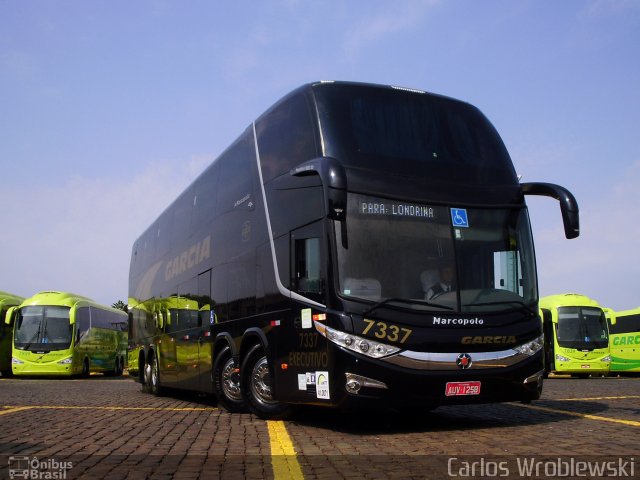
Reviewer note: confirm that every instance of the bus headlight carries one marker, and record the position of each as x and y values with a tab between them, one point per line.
560	358
365	346
531	347
606	359
66	361
16	361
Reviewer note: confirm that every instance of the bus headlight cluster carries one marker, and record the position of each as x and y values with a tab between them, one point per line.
16	361
531	347
606	359
560	358
66	361
365	346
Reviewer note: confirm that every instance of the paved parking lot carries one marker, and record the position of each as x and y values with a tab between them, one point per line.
107	428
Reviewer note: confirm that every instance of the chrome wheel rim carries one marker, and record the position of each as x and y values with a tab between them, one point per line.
261	382
231	381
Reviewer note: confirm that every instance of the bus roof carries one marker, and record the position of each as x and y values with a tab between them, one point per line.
10	299
567	300
66	299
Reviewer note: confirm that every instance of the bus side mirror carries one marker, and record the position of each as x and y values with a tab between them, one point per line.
568	204
610	315
159	318
334	183
8	319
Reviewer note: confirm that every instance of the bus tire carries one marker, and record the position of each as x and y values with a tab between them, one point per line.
256	386
85	368
154	378
226	382
120	369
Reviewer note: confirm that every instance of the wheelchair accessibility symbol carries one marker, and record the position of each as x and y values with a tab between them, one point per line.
459	217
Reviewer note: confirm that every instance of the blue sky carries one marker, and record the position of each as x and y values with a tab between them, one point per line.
108	109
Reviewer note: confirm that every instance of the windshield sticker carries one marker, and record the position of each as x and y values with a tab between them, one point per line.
396	210
459	217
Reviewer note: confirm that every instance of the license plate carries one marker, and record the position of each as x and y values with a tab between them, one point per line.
462	388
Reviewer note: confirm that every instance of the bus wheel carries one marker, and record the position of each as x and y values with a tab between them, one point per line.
226	382
154	377
85	368
257	386
119	367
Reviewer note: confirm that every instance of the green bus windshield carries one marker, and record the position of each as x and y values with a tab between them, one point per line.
43	328
582	328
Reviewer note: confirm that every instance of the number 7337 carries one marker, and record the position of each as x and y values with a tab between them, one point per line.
390	332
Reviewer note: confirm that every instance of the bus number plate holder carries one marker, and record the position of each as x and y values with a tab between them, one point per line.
462	388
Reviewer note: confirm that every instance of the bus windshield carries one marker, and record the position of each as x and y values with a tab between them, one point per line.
582	328
409	255
43	327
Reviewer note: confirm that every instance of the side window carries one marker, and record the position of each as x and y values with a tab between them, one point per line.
182	210
237	165
307	275
286	137
205	201
83	322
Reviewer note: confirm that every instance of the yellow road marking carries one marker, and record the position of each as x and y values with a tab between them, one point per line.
622	397
283	455
87	407
631	423
12	409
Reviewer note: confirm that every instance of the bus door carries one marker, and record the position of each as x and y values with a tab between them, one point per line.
187	338
205	345
308	279
166	346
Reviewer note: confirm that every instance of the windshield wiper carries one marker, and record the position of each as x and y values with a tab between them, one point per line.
35	335
403	300
502	302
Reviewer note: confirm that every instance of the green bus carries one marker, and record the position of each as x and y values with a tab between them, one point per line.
6	330
181	318
624	330
576	337
60	333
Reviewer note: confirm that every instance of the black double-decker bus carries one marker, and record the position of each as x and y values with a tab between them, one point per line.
357	245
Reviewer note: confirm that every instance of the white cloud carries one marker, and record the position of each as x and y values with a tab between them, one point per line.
77	236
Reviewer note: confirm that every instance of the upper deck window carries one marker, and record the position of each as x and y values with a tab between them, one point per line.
407	132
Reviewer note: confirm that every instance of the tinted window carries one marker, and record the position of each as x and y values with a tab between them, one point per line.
237	165
626	324
206	188
182	209
286	137
83	321
380	127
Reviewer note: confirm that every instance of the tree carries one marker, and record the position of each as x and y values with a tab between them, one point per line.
120	305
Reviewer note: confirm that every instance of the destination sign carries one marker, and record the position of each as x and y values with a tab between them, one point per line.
393	209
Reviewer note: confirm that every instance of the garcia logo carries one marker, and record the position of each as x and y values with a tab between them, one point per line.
457	321
481	340
189	258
